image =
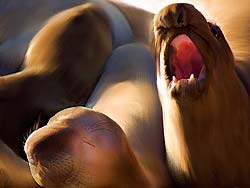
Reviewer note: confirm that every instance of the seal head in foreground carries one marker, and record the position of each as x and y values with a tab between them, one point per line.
205	104
119	143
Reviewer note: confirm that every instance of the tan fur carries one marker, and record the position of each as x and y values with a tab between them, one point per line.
53	71
53	77
207	138
128	153
61	67
93	152
9	173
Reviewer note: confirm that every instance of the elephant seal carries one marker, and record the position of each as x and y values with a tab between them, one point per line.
204	95
119	143
60	70
53	77
53	74
18	28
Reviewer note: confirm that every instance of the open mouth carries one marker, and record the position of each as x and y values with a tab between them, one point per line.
186	67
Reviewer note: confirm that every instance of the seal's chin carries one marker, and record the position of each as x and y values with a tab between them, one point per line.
186	70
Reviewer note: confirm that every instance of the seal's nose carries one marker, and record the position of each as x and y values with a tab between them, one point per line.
180	17
48	143
174	16
73	145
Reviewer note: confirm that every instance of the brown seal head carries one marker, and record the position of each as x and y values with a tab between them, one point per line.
128	153
205	104
80	147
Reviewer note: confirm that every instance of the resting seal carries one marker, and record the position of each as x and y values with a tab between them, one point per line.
53	72
52	75
205	99
18	28
80	147
60	71
45	84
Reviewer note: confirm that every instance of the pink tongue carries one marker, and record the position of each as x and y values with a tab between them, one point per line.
185	59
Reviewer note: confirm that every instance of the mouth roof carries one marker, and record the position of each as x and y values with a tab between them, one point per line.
185	59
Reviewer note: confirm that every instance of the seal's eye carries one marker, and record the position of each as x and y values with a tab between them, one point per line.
215	30
161	29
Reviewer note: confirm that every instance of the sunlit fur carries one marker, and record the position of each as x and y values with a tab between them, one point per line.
52	77
9	173
80	148
62	64
207	138
126	153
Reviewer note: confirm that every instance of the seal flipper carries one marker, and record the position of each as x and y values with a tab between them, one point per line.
14	172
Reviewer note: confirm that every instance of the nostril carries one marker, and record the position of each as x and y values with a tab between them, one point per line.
180	17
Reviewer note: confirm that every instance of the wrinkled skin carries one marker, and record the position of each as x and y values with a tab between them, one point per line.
206	124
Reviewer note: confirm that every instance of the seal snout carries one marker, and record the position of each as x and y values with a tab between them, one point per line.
182	34
74	143
55	151
174	16
42	148
54	155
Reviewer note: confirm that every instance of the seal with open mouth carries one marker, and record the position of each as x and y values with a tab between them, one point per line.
204	98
